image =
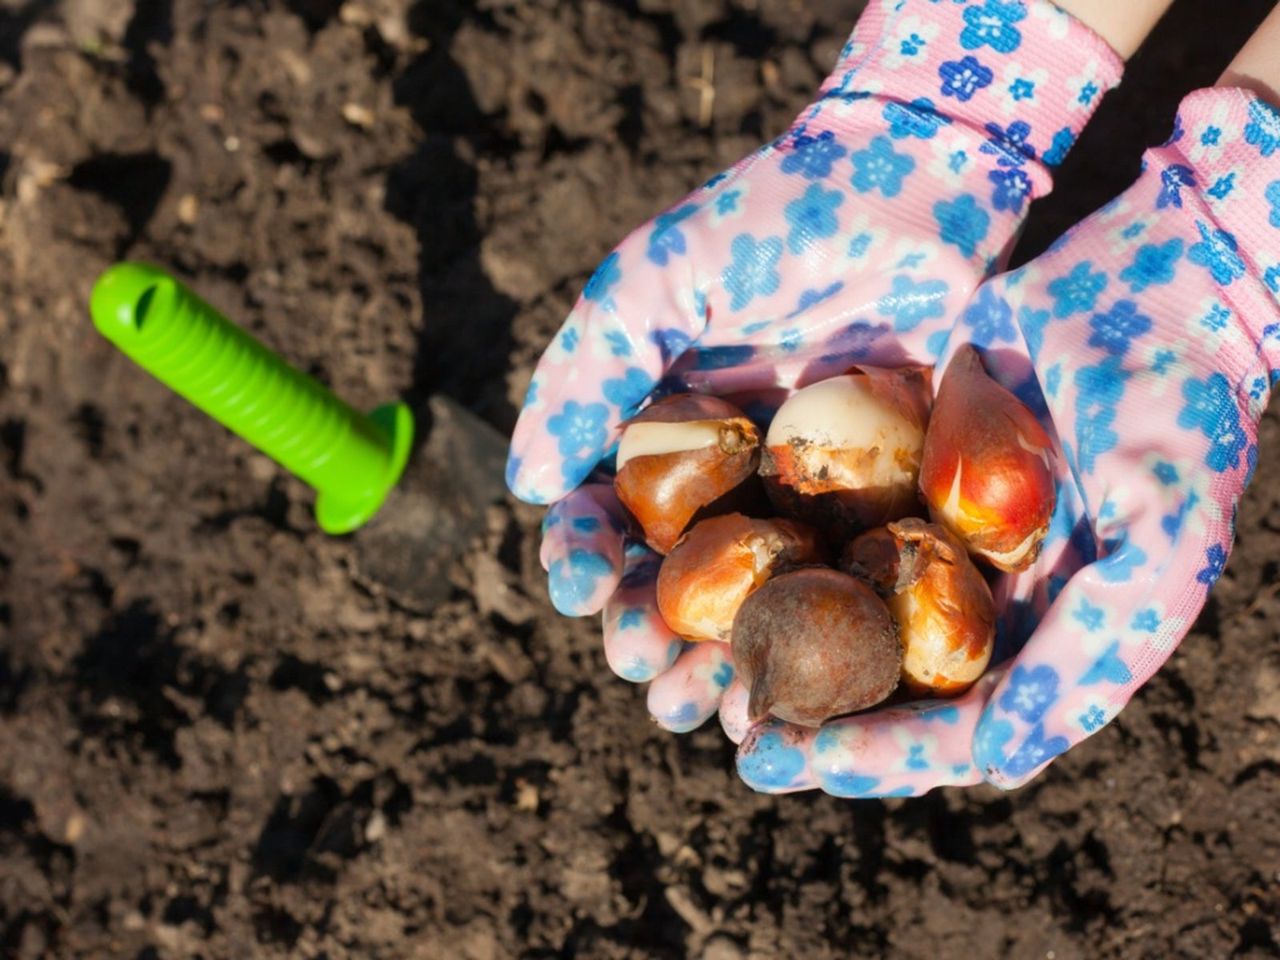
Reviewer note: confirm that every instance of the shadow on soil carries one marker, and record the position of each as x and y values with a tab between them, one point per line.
467	338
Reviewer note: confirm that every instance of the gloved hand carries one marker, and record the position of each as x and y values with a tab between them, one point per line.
1151	329
855	236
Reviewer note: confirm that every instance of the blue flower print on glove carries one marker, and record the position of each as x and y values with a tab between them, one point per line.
1263	129
962	222
579	427
963	78
1078	291
1153	265
880	168
754	270
993	26
909	303
1211	408
812	217
1217	252
813	157
1031	692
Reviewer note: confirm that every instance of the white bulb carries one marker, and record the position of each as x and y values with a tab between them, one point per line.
833	418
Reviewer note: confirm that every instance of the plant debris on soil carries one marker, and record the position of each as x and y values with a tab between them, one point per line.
216	742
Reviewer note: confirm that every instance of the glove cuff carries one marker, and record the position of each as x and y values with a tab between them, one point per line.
984	63
1222	166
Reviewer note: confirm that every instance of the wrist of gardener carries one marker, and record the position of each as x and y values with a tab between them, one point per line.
1124	25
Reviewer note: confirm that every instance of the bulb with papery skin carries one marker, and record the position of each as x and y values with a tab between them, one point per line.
943	607
719	563
684	458
814	644
844	454
987	471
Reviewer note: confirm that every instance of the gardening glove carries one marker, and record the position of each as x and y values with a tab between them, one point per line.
1147	341
854	237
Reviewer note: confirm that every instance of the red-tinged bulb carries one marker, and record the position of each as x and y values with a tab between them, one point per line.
815	644
945	614
844	454
987	471
684	458
719	563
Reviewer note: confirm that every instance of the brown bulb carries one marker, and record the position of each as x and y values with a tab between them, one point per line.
844	454
717	565
943	608
814	644
681	459
987	472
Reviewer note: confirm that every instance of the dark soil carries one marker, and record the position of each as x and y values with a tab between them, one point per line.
215	743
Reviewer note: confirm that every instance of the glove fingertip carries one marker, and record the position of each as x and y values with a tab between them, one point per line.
581	583
1007	765
680	718
687	695
733	711
516	482
636	669
768	763
542	481
638	644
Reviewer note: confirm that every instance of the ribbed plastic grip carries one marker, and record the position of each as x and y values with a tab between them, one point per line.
352	460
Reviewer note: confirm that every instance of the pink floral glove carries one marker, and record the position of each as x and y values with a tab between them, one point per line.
856	236
1148	338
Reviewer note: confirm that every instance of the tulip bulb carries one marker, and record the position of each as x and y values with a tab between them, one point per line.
719	563
681	459
987	472
943	608
814	644
844	453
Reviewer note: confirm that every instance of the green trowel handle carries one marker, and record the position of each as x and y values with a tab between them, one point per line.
351	460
